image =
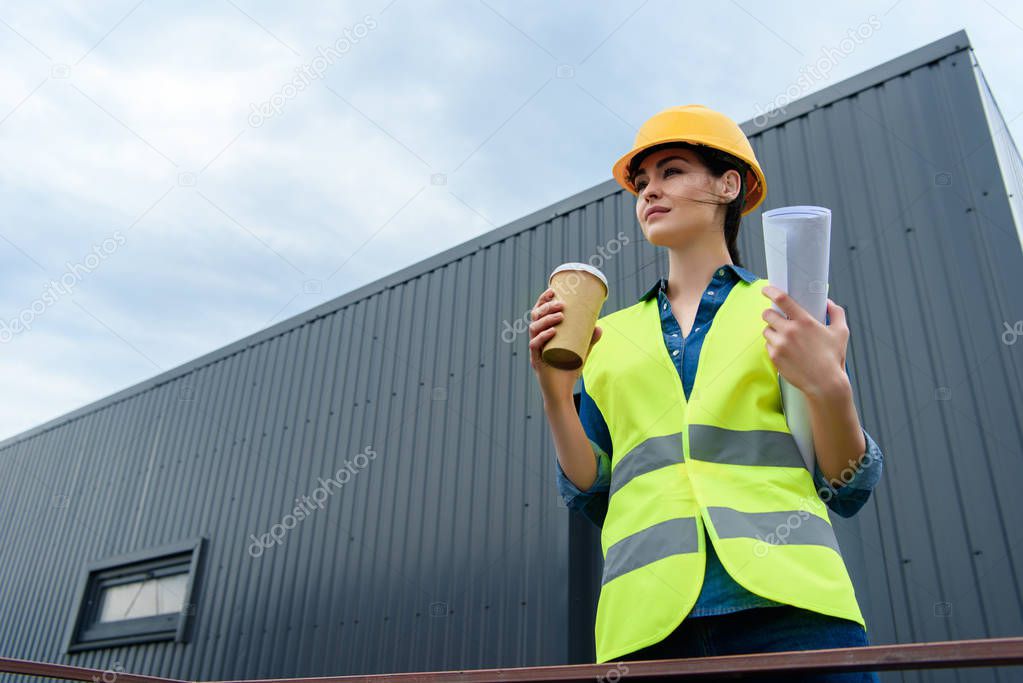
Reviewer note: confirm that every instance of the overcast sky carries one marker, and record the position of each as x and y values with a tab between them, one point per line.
191	173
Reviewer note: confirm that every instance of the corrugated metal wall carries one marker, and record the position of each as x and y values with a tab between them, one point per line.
451	548
925	252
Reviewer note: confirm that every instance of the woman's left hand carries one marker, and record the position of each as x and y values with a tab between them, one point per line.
809	354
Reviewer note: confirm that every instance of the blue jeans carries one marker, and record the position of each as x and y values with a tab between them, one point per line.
762	629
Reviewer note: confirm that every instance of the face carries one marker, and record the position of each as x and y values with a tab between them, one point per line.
682	197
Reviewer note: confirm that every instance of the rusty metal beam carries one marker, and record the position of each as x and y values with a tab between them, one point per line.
936	655
945	654
67	672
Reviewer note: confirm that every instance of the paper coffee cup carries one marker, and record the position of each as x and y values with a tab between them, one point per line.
582	289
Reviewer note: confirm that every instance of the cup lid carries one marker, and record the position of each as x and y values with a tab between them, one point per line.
579	266
798	211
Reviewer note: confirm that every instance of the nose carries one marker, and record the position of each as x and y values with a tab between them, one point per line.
649	191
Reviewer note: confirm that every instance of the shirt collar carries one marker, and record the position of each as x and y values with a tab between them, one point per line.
662	283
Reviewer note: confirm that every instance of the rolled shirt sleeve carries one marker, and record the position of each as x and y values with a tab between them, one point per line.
848	498
570	492
591	503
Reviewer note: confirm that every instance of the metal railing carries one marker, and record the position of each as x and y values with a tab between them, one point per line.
936	655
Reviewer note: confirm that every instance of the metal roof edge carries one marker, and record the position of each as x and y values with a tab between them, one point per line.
943	47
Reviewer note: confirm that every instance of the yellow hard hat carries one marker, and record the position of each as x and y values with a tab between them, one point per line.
698	125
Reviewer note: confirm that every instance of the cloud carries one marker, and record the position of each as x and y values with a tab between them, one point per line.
135	117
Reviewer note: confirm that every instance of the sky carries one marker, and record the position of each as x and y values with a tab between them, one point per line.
177	176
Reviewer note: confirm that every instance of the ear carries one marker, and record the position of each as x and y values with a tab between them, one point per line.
732	182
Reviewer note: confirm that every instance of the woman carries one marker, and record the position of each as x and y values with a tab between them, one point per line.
716	539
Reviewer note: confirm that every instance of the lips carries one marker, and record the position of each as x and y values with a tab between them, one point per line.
653	210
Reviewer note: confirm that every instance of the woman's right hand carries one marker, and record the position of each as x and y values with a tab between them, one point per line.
555	384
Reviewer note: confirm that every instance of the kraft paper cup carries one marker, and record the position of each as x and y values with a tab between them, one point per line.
583	290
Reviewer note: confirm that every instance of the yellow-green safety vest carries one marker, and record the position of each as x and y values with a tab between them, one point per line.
724	459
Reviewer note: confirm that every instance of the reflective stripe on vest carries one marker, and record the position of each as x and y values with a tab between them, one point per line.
670	537
723	461
752	447
652	454
777	528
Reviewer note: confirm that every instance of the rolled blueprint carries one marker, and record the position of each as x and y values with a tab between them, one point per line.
797	241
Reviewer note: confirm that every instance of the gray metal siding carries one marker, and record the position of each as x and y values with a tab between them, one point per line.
352	587
924	269
459	513
924	251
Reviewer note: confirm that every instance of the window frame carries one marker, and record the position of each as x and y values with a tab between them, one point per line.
86	632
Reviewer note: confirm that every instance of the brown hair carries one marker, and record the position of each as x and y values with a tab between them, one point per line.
717	162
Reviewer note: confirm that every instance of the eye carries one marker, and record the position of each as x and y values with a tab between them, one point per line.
669	169
640	184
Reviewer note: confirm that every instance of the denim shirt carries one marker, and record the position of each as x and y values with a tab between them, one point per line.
720	593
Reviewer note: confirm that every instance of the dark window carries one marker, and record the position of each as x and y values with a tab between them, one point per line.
138	598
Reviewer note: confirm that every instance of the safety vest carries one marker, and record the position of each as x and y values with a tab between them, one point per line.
724	459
